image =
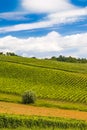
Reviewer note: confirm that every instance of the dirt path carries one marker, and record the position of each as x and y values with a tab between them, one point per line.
12	108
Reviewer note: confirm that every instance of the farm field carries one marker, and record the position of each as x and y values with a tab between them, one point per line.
48	79
19	109
45	102
36	128
37	122
58	86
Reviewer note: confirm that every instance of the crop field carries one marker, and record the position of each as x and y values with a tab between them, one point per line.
29	110
36	128
14	121
56	84
69	67
48	79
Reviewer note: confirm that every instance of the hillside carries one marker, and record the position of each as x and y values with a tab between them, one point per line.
48	79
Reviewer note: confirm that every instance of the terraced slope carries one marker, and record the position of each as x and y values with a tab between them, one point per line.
49	79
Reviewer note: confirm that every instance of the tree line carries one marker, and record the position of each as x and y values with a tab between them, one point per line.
8	54
69	59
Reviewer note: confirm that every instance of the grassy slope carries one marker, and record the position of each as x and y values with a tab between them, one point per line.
69	67
49	79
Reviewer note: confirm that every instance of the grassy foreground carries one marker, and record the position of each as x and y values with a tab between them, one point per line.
34	122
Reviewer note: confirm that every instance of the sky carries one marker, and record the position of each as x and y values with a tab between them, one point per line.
44	28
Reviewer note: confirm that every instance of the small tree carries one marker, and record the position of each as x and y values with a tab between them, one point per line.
28	97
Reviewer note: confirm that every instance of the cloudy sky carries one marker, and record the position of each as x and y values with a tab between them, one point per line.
44	28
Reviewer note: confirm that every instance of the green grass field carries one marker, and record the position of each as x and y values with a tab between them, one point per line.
48	79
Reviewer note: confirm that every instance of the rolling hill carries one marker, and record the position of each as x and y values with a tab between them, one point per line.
48	79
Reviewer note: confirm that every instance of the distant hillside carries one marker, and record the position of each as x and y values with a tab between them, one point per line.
49	79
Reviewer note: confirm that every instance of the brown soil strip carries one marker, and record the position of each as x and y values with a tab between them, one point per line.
12	108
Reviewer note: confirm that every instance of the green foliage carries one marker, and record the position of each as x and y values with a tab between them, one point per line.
69	59
36	128
10	54
1	53
28	97
13	121
49	79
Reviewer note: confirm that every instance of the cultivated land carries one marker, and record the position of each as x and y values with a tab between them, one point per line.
56	84
12	108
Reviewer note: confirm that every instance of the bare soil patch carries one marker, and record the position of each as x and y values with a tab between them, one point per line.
13	108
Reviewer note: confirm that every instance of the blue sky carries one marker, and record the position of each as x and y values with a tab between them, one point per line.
44	28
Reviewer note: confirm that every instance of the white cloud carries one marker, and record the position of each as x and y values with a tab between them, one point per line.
13	16
49	21
70	13
51	43
59	12
38	44
47	6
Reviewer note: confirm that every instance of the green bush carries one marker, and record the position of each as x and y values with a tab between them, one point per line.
28	97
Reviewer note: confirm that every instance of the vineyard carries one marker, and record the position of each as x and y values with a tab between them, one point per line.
14	121
48	79
56	84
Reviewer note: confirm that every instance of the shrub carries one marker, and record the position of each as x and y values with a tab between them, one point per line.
28	97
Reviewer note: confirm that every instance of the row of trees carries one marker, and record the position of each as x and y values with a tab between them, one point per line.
8	54
69	59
